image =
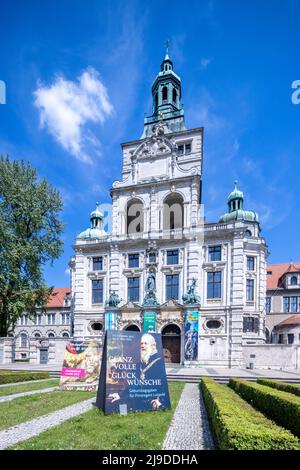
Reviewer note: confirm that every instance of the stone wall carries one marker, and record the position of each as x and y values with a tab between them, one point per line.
272	356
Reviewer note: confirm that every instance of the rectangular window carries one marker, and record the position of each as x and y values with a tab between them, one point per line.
133	260
134	289
172	257
250	263
250	290
214	285
97	291
51	319
268	304
180	149
294	304
65	318
280	339
250	325
39	319
172	286
188	148
286	304
290	338
214	253
98	263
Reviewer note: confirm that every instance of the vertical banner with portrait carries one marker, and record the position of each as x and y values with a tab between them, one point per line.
111	321
133	374
191	331
149	322
81	366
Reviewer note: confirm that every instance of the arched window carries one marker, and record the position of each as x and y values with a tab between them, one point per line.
173	212
24	340
65	335
248	233
132	328
37	335
156	100
135	214
174	95
51	335
164	93
294	281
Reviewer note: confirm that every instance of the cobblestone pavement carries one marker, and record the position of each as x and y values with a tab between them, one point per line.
24	431
24	394
189	429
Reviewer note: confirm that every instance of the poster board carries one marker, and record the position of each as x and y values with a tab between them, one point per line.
81	366
132	373
191	332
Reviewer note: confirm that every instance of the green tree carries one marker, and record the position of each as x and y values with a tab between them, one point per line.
30	232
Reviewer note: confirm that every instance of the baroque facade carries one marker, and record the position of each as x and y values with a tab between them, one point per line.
162	263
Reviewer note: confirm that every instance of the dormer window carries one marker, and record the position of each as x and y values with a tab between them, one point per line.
294	281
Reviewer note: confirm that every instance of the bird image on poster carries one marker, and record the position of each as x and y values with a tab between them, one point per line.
81	366
133	373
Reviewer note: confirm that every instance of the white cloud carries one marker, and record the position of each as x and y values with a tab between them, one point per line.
204	62
67	107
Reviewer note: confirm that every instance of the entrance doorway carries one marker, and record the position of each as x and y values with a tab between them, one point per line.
171	339
43	356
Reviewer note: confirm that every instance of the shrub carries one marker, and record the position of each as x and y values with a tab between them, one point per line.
238	426
283	407
290	388
15	376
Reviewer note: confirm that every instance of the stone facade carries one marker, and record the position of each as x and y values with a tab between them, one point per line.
157	211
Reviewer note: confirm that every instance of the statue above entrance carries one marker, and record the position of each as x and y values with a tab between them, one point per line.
150	289
191	297
113	300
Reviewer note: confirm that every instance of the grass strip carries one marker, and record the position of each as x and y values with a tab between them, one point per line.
95	431
16	376
24	409
238	426
285	387
12	389
282	407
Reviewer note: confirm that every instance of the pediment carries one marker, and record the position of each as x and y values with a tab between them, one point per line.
171	304
131	306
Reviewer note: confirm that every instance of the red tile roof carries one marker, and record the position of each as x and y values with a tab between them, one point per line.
293	320
277	271
57	297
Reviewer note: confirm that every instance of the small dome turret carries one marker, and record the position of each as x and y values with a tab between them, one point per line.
235	208
96	229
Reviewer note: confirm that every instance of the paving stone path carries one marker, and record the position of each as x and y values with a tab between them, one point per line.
189	429
25	394
24	431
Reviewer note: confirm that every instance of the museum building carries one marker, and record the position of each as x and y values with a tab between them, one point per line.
163	268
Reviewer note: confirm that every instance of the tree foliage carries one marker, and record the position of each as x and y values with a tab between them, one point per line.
30	232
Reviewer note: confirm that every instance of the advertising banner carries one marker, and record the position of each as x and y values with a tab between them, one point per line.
111	321
191	330
133	374
81	366
150	322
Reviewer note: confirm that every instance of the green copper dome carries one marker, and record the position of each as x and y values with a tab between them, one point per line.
235	208
96	229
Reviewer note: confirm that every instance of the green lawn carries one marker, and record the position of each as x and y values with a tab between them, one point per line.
12	389
25	408
94	431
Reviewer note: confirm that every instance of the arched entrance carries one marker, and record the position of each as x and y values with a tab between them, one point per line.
132	328
171	338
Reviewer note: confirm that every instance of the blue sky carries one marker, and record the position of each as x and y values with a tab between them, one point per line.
96	60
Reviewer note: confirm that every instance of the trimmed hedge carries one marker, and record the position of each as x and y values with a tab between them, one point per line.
238	426
285	387
282	407
16	376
